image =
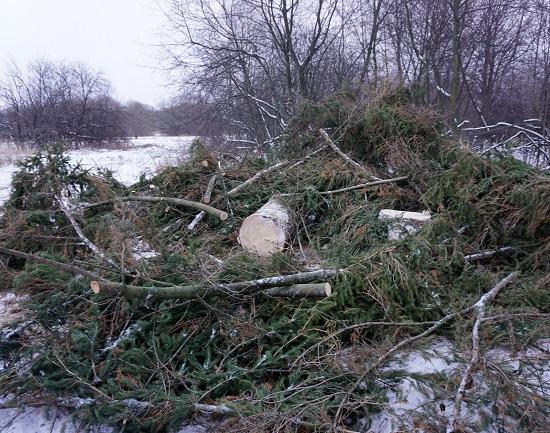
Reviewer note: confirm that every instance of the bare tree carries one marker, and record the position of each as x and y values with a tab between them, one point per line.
57	101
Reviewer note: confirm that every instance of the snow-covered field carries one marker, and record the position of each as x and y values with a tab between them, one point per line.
144	155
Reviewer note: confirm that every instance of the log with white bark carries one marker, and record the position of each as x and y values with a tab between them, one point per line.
175	201
312	290
193	291
266	231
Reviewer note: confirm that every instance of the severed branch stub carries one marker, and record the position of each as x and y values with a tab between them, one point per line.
208	194
206	199
222	215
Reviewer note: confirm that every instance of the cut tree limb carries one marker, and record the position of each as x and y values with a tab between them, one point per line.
206	199
488	254
201	290
175	201
54	264
312	290
265	231
198	218
102	285
207	195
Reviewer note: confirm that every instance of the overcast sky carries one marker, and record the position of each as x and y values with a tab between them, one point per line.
114	36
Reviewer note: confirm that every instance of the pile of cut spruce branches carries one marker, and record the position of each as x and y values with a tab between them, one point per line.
145	310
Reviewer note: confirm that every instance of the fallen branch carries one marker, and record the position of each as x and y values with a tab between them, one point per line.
481	307
343	155
207	195
254	178
54	264
97	251
307	157
206	199
175	201
488	254
365	185
201	290
484	299
315	290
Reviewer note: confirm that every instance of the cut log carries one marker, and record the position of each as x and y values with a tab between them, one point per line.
200	290
403	223
265	231
315	290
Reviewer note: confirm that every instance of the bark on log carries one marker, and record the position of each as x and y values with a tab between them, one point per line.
199	290
265	231
315	290
175	201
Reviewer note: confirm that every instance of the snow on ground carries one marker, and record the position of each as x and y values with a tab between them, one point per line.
413	395
143	155
56	420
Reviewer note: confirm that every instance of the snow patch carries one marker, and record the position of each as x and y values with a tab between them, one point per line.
143	155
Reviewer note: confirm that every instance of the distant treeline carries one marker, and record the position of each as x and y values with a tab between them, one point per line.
50	101
481	61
